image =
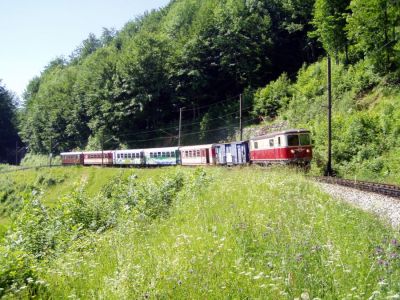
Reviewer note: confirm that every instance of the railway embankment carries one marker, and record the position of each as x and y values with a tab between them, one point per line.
386	207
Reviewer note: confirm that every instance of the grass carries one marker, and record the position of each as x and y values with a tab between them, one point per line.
248	233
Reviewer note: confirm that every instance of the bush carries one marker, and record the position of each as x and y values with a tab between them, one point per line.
276	95
36	160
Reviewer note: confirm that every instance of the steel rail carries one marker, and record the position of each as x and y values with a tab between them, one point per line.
375	187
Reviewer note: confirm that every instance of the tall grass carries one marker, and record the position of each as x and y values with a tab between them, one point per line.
241	233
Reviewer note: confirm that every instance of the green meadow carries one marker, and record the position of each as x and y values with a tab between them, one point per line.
189	233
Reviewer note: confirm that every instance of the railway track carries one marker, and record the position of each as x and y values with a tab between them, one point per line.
379	188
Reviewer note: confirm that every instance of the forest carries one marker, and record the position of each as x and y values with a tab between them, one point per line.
126	87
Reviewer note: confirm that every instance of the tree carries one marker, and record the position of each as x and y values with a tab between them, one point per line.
329	22
373	26
8	126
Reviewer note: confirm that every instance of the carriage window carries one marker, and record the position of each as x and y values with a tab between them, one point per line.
198	153
151	154
255	145
141	154
163	154
279	141
172	154
137	155
293	140
271	143
305	139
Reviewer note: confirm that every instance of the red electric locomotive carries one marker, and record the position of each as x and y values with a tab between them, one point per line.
290	146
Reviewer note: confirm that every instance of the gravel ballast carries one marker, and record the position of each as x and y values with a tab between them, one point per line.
385	207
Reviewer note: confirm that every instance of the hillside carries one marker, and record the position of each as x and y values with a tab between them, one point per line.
126	88
192	233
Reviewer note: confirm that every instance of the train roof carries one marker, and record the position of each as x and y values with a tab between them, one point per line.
231	143
161	149
197	147
272	134
97	152
129	150
71	153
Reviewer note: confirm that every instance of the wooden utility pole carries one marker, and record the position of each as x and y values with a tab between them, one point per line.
329	171
180	126
16	153
240	117
102	149
50	154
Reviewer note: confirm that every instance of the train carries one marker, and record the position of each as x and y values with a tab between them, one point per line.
292	146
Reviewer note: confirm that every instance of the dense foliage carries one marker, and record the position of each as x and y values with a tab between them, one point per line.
8	126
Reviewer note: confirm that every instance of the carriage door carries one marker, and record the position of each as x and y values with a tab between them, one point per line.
228	154
207	155
239	153
278	154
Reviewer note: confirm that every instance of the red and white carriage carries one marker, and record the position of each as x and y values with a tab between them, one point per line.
72	158
98	158
290	146
198	155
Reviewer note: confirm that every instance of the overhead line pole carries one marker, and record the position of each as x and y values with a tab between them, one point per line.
329	171
240	117
180	126
51	146
102	149
16	153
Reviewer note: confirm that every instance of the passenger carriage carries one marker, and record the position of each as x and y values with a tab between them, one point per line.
98	158
71	158
198	155
161	156
234	153
133	157
290	146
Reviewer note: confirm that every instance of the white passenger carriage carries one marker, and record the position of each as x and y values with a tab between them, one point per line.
162	156
131	157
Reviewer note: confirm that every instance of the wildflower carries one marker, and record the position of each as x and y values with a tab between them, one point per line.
316	248
382	262
179	282
305	296
299	257
379	250
394	242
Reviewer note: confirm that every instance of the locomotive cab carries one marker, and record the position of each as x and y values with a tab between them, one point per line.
290	146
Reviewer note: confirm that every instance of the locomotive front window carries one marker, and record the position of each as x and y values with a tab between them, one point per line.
293	140
271	143
255	145
305	139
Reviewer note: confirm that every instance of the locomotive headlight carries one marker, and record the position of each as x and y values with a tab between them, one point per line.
308	150
292	151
